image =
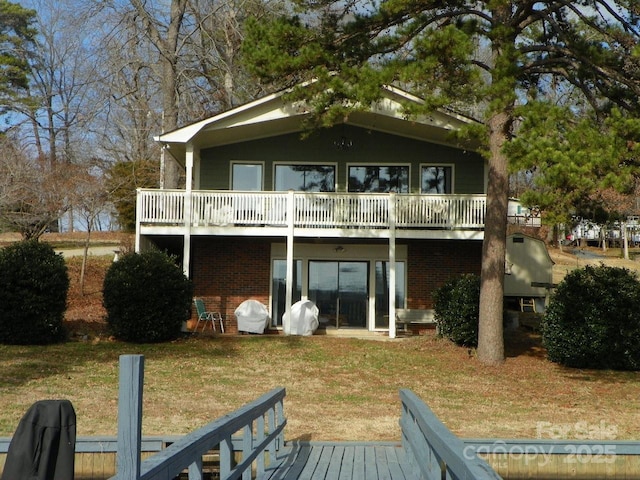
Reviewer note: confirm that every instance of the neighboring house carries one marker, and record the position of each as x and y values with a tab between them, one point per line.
363	218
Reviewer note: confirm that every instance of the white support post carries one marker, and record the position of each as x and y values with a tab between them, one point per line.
392	265
138	216
130	417
290	280
186	256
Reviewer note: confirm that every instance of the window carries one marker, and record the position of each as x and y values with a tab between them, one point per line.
305	178
436	179
379	179
246	177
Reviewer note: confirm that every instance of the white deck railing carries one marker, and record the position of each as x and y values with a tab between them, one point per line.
311	210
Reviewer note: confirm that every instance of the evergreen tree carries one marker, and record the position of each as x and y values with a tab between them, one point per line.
16	39
491	54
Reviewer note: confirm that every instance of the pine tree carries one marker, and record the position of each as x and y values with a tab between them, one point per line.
494	55
16	39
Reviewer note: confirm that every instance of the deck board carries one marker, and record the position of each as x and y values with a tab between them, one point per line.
340	461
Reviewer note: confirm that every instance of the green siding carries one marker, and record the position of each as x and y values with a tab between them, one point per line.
369	147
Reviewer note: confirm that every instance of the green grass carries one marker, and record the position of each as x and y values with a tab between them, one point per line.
337	388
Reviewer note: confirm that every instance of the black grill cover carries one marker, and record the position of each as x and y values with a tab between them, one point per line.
43	446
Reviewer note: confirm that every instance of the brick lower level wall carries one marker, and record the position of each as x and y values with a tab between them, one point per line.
226	271
431	263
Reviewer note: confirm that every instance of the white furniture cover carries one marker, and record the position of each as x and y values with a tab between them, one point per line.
252	316
302	318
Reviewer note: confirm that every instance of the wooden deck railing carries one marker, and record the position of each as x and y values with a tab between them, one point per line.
187	452
432	449
311	210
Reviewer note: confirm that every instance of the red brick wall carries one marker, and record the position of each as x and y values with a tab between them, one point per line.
228	270
433	262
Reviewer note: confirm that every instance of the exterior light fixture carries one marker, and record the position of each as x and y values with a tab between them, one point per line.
343	143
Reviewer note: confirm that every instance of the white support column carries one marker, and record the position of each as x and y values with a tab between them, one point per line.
290	279
392	265
138	215
186	256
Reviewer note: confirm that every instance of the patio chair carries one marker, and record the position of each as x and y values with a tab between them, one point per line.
205	316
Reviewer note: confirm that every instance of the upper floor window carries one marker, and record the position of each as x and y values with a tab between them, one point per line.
246	177
436	179
379	179
305	178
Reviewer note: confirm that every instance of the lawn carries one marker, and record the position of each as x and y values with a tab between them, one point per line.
337	388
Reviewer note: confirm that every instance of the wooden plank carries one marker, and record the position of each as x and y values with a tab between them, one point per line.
370	465
131	380
324	462
404	463
393	463
293	463
346	471
382	463
358	463
310	464
335	466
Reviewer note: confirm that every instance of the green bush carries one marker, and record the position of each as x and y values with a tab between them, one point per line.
147	297
456	305
33	294
593	320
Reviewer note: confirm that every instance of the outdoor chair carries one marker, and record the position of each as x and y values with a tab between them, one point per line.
205	316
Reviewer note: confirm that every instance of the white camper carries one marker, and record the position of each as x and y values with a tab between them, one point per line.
528	272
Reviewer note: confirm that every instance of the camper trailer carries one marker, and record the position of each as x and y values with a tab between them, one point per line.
528	273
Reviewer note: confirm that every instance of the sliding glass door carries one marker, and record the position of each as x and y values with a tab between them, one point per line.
279	289
382	291
341	291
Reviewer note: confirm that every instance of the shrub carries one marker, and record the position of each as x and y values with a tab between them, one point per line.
147	297
456	306
592	320
33	294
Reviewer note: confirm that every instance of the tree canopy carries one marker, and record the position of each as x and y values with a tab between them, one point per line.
492	59
16	41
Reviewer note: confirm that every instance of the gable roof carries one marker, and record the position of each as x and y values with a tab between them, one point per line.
272	115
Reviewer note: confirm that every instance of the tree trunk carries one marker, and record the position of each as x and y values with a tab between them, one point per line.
490	329
168	47
169	121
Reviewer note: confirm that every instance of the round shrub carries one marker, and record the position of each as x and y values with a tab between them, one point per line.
33	294
147	297
592	320
456	309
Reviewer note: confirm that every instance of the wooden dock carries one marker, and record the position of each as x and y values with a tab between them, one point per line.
342	460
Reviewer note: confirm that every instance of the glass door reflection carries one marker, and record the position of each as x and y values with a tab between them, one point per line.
341	292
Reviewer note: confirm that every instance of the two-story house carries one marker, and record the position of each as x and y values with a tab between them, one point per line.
364	218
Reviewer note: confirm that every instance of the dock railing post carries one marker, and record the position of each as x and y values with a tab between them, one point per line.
130	417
